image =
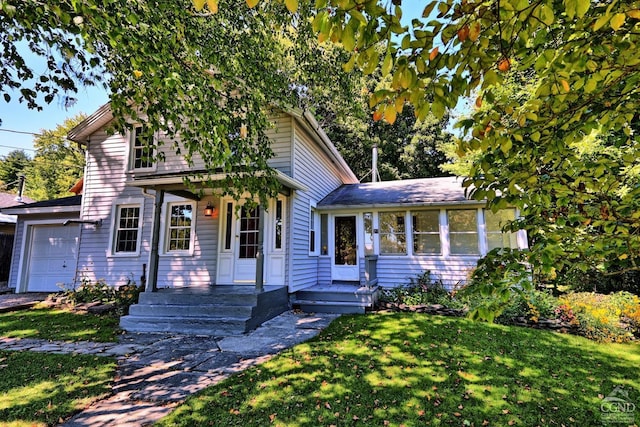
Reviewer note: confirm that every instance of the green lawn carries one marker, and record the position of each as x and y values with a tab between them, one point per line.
40	389
416	370
59	325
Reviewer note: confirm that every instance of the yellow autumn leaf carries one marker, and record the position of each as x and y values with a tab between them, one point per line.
390	114
252	3
137	74
565	85
617	21
213	6
399	103
635	13
292	5
243	130
474	31
199	4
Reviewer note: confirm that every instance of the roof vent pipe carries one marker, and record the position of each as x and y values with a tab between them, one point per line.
375	176
20	188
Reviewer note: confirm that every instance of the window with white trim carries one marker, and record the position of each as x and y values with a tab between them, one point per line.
127	229
426	232
180	224
142	149
494	224
393	238
314	221
463	231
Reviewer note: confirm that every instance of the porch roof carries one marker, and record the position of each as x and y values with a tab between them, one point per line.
175	181
410	192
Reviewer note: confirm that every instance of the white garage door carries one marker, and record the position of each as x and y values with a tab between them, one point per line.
52	258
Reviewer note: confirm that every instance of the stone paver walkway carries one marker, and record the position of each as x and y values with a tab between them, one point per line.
158	371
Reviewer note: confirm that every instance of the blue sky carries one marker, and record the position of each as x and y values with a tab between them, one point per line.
16	116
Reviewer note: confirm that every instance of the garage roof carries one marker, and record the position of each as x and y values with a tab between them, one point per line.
64	204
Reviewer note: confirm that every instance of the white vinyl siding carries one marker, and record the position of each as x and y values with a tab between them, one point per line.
313	169
279	134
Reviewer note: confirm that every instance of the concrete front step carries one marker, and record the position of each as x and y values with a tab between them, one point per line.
360	295
217	310
336	298
339	307
191	310
214	326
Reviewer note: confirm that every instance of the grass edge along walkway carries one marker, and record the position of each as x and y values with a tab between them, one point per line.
412	369
44	389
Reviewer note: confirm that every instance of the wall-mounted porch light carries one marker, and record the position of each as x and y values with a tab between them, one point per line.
209	210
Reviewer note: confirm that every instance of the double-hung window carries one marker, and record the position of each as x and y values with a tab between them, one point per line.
314	222
426	232
179	227
127	229
142	149
393	239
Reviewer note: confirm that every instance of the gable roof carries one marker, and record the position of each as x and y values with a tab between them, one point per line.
104	115
64	204
409	192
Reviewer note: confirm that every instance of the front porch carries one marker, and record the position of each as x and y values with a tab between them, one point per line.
205	310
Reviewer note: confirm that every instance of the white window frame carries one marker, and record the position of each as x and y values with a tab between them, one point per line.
115	216
165	226
438	233
479	231
512	234
132	151
380	233
314	232
283	225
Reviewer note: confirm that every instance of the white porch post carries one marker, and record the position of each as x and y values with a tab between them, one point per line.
260	253
152	283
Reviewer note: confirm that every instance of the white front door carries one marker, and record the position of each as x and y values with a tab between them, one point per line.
345	264
52	257
246	245
238	244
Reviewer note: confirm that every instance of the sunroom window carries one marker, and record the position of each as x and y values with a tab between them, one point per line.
463	231
426	232
494	224
393	239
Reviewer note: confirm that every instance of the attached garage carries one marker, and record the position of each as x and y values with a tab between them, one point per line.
52	255
45	251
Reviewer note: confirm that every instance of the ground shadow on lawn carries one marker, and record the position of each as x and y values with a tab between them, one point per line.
412	369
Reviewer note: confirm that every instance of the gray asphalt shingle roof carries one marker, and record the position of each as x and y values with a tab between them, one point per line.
62	202
424	191
8	200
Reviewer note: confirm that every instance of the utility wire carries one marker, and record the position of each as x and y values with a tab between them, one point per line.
20	132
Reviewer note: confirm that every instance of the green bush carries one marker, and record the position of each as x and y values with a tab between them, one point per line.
99	291
532	305
421	290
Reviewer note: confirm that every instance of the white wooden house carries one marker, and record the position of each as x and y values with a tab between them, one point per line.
328	241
